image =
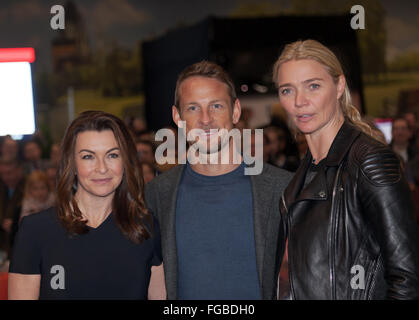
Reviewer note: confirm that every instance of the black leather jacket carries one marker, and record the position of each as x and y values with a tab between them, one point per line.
351	231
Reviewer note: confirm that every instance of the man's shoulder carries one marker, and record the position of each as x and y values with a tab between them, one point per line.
169	176
272	178
275	172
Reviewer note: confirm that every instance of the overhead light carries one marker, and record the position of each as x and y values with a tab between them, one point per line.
260	88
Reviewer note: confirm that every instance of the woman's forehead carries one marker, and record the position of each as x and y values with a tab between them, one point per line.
96	139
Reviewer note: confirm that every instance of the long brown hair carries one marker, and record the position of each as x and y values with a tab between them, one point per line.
128	204
314	50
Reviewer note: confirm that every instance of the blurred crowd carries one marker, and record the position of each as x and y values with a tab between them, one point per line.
28	167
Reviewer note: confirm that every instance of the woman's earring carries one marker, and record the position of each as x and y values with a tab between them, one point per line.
74	187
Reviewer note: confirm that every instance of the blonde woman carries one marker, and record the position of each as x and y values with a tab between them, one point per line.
38	195
351	232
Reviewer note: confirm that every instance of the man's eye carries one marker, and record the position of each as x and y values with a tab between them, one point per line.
192	108
314	86
217	106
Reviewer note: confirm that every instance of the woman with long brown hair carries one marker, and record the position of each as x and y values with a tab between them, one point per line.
99	242
351	232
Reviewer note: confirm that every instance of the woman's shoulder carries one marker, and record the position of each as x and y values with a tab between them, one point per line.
378	161
43	218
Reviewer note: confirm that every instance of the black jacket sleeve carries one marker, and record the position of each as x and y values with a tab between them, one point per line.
387	202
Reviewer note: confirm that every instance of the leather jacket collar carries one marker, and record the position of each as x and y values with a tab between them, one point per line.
317	189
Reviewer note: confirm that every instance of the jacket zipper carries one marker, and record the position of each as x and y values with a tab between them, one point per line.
289	243
371	286
331	237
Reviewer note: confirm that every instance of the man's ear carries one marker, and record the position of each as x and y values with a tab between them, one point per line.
237	111
175	115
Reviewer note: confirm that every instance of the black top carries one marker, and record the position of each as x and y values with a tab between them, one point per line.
101	264
312	171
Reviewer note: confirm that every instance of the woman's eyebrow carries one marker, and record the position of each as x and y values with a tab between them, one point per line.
87	150
312	79
110	150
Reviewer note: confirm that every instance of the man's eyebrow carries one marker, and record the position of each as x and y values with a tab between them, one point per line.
216	100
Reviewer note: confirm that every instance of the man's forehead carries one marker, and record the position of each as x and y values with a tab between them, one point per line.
204	87
201	81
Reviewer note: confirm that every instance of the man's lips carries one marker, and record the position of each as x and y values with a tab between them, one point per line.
209	132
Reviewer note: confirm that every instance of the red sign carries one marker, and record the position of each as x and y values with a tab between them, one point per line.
17	55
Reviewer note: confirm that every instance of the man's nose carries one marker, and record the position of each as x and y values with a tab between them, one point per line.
206	117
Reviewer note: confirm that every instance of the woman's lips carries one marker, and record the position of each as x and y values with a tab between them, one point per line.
304	117
102	181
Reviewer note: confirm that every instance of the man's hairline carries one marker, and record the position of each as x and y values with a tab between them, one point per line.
206	77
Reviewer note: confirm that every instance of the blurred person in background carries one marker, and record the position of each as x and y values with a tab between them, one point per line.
412	168
146	135
12	183
243	122
51	172
167	166
413	125
401	134
241	125
348	206
55	154
32	155
38	195
149	171
137	126
145	151
254	149
283	153
9	149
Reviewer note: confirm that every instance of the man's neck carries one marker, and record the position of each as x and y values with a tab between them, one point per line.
214	169
218	168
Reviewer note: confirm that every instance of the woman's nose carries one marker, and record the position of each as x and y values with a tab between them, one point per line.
300	99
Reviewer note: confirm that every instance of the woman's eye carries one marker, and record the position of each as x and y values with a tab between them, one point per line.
87	157
113	155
